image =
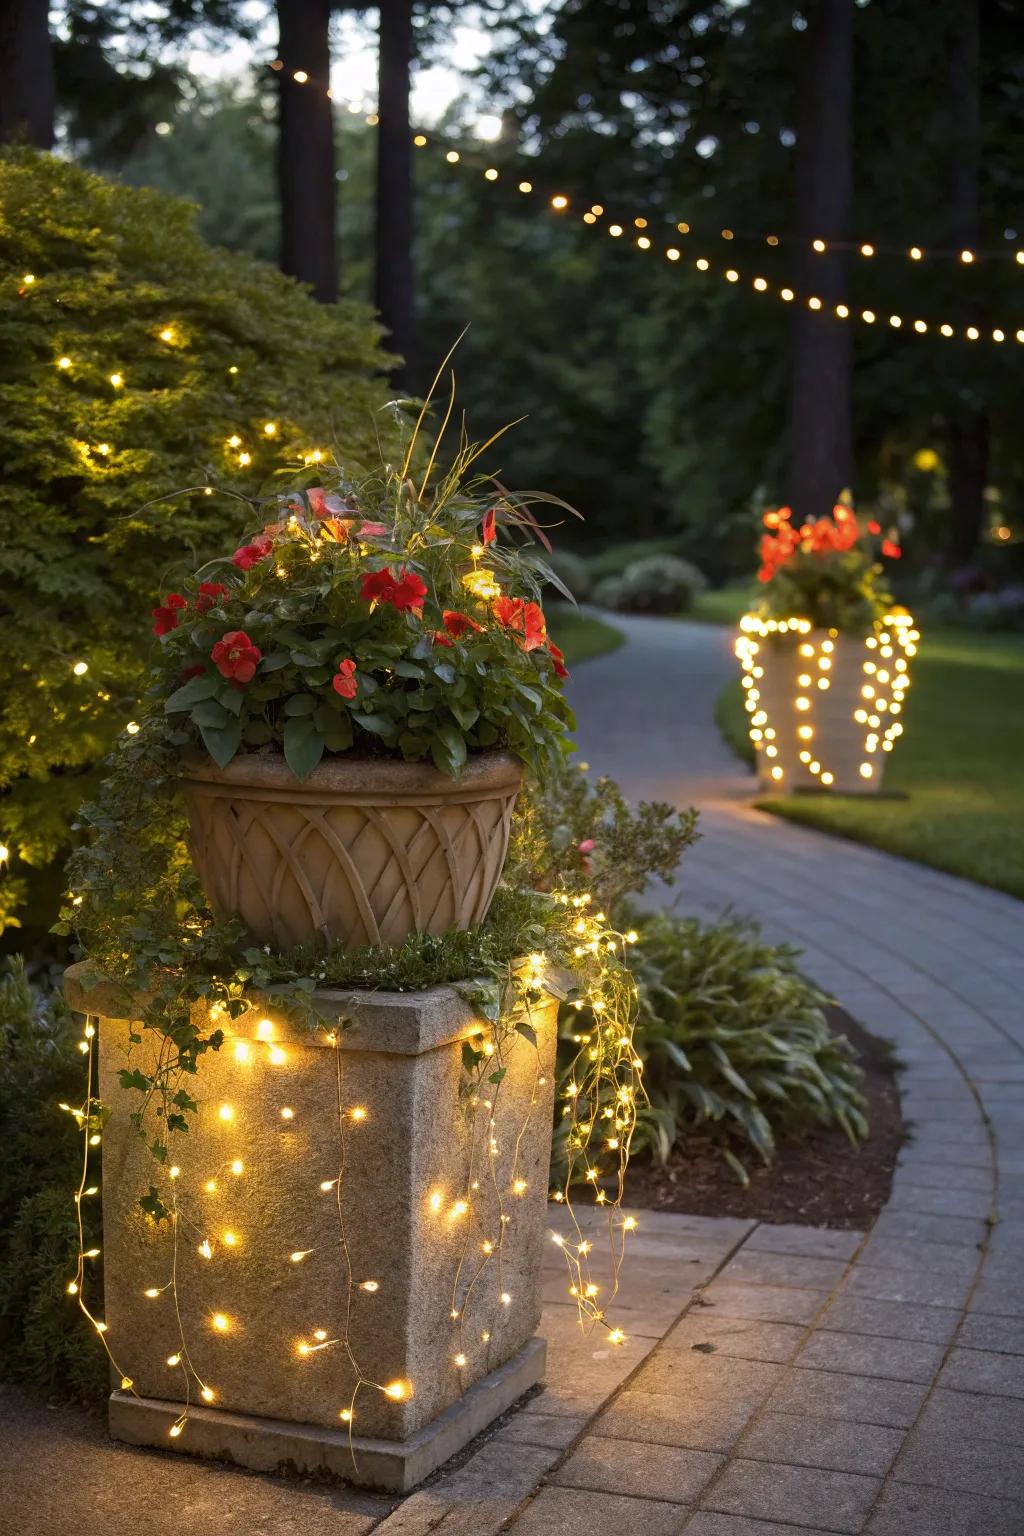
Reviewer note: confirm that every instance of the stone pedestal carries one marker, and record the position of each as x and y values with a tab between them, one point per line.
349	1219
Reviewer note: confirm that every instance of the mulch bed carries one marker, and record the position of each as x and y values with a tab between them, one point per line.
818	1180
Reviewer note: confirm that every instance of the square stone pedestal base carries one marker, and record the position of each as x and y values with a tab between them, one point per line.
272	1445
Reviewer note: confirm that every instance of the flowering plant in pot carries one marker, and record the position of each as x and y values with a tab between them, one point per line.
353	692
825	653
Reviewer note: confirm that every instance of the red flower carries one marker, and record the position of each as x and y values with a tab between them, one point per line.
535	630
210	594
526	618
344	681
509	612
377	586
487	529
404	592
316	496
236	657
890	549
440	638
371	531
874	527
558	659
165	618
459	624
251	554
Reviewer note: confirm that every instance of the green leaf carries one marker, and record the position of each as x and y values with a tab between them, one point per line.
222	744
209	712
528	1033
275	661
303	746
196	689
300	704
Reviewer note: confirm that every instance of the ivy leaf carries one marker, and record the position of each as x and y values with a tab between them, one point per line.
528	1033
497	1076
153	1205
303	746
134	1079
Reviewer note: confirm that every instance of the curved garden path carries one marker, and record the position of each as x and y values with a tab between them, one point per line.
861	1382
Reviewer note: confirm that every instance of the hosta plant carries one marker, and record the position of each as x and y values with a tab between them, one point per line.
734	1039
389	616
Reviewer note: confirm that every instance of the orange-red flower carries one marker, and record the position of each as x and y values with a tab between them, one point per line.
890	549
251	554
404	592
165	618
459	624
344	680
236	657
488	530
524	618
558	659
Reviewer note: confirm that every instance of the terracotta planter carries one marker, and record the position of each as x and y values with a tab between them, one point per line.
825	708
362	851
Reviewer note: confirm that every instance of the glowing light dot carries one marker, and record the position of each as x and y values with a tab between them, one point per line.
345	1415
300	77
819	245
80	668
787	294
117	380
230	1239
490	174
175	1429
287	1114
300	1254
237	1167
207	1395
398	1391
760	284
369	1285
420	140
616	1336
867	250
173	1360
174	1172
220	1322
524	186
226	1112
277	1056
63	362
452	157
270	428
505	1299
966	257
672	253
151	1292
167	334
242	1050
126	1383
359	1113
244	459
559	201
132	728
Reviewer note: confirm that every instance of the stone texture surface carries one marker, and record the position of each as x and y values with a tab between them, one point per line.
281	1101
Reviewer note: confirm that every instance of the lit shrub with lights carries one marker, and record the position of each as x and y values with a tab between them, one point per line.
825	655
137	359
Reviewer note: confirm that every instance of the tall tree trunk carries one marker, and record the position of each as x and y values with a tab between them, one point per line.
394	286
967	420
305	153
26	73
820	408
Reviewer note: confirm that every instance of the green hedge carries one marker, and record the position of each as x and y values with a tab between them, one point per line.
102	284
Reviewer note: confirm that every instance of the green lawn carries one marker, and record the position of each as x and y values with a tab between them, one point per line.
580	636
725	606
961	764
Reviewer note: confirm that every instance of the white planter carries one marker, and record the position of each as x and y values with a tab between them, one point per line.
825	708
307	1289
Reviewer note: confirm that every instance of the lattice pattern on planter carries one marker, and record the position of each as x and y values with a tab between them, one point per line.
363	868
824	707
